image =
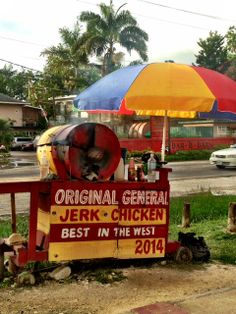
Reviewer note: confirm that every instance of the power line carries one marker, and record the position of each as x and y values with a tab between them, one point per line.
186	11
173	8
20	65
171	22
154	18
86	2
22	41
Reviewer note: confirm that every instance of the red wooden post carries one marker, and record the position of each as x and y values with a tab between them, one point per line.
33	218
156	129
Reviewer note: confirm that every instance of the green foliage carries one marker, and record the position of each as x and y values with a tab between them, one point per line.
231	40
64	61
213	52
22	227
204	206
208	219
14	83
218	52
6	135
109	28
230	68
181	155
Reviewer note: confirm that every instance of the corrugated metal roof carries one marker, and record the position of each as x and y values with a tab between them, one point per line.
10	100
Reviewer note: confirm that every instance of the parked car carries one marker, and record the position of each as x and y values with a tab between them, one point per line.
35	141
31	146
224	158
28	147
19	141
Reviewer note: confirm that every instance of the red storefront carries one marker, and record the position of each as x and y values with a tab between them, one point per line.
175	144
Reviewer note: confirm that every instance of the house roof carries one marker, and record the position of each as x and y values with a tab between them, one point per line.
10	100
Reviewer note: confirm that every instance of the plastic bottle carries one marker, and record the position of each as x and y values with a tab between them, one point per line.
131	170
151	176
140	174
44	165
119	174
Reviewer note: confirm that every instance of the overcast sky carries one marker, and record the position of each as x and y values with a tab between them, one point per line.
29	26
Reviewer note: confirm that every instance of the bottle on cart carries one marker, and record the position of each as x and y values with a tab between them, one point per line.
119	174
140	173
43	165
131	170
152	164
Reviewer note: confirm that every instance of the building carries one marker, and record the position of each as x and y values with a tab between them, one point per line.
22	116
145	133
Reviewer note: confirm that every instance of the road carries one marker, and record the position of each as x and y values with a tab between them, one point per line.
27	168
185	178
198	169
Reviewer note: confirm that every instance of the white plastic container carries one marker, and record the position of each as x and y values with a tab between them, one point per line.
152	164
119	174
43	166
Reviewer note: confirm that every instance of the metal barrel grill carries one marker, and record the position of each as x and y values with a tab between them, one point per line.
84	151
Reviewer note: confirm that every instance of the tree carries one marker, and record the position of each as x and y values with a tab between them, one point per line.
109	29
213	52
231	41
229	68
14	83
65	60
6	135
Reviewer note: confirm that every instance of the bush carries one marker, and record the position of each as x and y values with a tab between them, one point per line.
181	155
190	155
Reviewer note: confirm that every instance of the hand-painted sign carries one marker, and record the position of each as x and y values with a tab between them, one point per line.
108	219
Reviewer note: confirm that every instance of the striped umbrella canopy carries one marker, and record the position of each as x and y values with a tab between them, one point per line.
163	89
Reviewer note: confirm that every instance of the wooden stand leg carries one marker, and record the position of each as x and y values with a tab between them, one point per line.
13	213
186	216
232	218
1	264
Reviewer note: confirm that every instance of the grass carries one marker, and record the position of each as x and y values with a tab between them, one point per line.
22	226
204	207
209	215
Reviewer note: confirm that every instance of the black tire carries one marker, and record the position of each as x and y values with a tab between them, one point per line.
184	255
2	267
220	166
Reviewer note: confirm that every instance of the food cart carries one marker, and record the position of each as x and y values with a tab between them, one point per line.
74	218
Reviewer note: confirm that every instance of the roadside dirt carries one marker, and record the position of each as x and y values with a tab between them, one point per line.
143	285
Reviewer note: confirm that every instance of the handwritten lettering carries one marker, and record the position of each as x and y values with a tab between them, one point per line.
139	214
73	233
84	214
109	197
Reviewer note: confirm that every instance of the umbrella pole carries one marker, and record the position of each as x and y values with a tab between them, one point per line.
163	146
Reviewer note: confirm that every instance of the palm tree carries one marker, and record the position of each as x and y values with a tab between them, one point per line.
110	28
64	61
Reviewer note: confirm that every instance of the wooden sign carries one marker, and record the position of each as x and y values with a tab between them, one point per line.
98	220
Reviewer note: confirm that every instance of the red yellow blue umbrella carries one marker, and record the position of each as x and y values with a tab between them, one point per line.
163	89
